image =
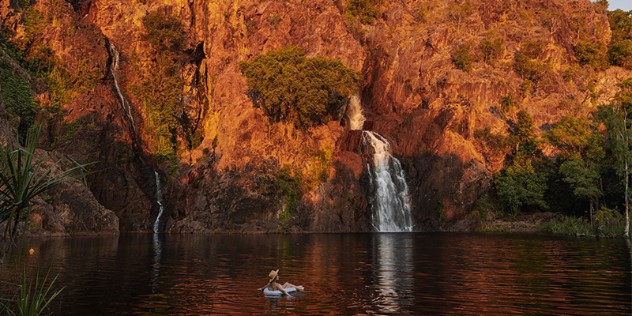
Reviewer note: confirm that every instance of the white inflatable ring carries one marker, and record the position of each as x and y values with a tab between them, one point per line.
268	292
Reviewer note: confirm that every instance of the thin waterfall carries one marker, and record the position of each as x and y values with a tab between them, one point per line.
390	200
159	201
125	105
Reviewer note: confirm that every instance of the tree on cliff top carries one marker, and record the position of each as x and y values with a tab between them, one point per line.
290	87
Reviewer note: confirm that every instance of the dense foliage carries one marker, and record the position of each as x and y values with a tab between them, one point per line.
161	88
290	87
591	54
16	94
594	157
620	49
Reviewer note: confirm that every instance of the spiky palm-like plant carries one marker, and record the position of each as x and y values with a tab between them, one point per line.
22	177
33	297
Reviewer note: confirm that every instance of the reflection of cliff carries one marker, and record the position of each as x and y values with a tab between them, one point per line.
229	152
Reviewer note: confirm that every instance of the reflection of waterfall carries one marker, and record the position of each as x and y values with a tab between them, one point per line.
155	271
159	201
395	271
390	200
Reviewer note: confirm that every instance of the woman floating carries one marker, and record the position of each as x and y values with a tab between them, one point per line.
276	289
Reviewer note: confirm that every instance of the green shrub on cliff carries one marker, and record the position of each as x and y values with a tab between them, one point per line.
529	68
462	58
492	49
591	54
620	54
161	89
290	87
288	186
365	10
163	32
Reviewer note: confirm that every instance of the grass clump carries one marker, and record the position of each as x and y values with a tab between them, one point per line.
34	297
569	225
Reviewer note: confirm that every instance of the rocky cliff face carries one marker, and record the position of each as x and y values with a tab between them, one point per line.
412	94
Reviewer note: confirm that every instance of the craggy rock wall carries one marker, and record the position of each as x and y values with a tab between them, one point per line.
411	93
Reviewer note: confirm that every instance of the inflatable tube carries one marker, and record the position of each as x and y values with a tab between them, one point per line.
268	292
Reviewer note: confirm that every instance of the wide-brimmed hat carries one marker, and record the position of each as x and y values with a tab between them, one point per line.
273	275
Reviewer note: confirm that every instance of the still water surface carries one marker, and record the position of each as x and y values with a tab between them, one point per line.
344	274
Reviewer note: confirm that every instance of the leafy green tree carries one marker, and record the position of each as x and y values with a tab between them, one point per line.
529	68
571	135
582	153
520	185
22	177
522	137
288	86
591	54
620	24
619	128
620	53
583	177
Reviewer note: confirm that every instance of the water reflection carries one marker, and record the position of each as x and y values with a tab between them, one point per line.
394	271
344	274
157	241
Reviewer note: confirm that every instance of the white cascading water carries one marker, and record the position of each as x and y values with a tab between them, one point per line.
391	206
355	115
161	206
113	68
390	200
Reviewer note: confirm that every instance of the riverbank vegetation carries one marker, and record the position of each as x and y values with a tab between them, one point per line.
586	181
583	179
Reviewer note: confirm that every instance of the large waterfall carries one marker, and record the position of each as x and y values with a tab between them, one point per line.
391	206
159	200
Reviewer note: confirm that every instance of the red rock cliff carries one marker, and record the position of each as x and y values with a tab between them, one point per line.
412	94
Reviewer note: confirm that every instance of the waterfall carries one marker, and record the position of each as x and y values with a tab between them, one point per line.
114	65
391	207
159	201
354	114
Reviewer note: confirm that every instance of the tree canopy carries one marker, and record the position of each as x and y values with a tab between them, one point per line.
290	87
